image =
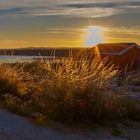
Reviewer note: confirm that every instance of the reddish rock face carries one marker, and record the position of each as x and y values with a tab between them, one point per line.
124	55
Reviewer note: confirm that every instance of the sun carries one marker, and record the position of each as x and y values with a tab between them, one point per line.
94	35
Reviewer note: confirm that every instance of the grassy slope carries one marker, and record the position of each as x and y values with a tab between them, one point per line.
68	91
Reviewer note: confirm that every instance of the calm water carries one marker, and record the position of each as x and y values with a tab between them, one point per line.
12	58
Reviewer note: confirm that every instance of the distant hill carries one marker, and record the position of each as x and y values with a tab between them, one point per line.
59	52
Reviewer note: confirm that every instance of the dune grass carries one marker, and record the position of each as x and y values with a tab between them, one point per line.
66	90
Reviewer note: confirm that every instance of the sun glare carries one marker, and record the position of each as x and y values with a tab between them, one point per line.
94	35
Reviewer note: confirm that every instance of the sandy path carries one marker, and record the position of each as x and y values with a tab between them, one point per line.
13	127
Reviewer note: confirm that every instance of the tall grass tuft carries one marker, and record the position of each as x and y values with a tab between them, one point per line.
75	90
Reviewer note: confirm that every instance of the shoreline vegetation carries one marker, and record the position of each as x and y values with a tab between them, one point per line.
69	91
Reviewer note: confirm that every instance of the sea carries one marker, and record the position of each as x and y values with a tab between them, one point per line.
21	58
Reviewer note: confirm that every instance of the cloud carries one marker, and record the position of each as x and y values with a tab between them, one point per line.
12	12
104	5
77	8
132	31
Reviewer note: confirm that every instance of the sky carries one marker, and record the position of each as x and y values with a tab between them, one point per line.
68	23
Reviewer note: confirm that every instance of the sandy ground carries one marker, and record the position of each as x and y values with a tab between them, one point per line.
13	127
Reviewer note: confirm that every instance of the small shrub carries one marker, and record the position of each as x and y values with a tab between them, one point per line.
12	80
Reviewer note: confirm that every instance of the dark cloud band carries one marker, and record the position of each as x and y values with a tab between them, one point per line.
102	5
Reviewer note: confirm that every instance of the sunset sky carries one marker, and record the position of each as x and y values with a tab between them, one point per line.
68	23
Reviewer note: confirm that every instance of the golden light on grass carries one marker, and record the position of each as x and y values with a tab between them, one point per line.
68	90
94	35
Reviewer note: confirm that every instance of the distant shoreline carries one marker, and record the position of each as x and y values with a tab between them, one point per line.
41	51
